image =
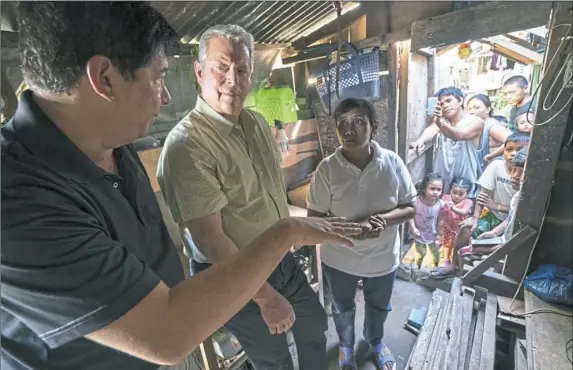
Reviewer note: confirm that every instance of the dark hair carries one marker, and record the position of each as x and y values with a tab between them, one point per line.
352	103
520	157
451	91
485	100
462	182
58	38
422	185
518	137
517	80
501	119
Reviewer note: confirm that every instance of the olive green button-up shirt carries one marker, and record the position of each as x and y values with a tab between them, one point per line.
211	164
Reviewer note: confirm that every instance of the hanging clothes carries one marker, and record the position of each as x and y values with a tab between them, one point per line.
495	62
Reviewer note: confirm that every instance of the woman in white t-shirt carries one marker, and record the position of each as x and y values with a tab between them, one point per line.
362	182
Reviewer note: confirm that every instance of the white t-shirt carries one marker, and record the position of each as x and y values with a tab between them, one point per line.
341	189
496	179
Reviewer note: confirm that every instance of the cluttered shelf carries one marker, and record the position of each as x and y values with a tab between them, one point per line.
547	334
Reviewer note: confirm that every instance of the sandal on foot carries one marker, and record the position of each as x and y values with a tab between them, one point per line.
346	360
384	357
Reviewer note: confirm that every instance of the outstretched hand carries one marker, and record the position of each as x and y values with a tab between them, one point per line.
316	230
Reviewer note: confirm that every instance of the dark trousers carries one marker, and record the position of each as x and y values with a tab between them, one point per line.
271	352
377	294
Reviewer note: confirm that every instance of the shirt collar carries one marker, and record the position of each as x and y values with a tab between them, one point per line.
39	135
220	122
377	151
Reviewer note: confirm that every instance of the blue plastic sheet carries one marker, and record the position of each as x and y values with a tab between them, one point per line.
552	284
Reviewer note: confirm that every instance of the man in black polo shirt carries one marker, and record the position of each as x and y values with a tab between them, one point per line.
90	277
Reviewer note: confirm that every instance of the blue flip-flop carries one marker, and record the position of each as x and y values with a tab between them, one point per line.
383	356
346	360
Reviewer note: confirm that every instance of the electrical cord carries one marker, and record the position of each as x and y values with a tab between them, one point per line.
569	346
555	78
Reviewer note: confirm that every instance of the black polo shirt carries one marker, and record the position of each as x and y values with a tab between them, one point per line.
80	247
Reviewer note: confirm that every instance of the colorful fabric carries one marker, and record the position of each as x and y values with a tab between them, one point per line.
447	248
418	255
452	219
486	223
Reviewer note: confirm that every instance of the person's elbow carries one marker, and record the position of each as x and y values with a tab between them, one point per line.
171	354
410	212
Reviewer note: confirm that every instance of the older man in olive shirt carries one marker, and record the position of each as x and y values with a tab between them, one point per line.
220	175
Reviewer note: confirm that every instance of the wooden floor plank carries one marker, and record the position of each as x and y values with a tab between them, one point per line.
487	360
477	340
465	340
455	329
547	334
421	349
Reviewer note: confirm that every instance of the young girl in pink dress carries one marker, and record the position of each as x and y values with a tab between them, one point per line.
424	249
457	207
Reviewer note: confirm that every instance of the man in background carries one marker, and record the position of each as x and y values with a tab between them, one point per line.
458	139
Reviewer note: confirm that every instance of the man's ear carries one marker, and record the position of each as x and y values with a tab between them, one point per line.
103	76
198	71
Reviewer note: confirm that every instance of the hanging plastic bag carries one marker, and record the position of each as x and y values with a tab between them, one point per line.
552	284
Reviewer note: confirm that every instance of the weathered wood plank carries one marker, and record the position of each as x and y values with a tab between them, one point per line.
488	344
433	346
209	356
440	340
468	300
545	146
516	241
511	323
421	348
475	355
473	23
402	97
519	359
547	334
505	306
452	352
498	284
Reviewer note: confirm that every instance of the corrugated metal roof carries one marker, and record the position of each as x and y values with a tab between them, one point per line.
276	22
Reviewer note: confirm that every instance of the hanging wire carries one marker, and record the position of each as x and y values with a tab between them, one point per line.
555	79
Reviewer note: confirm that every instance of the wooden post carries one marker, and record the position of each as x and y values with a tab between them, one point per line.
546	139
492	18
393	69
403	53
209	356
510	245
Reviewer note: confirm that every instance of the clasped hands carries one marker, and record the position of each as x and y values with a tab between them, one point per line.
372	227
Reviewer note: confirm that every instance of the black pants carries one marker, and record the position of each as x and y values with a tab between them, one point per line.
270	352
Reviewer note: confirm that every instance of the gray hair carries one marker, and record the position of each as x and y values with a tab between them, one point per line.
232	32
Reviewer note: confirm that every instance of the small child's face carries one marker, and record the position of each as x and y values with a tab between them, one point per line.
524	122
512	147
516	175
434	189
458	194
